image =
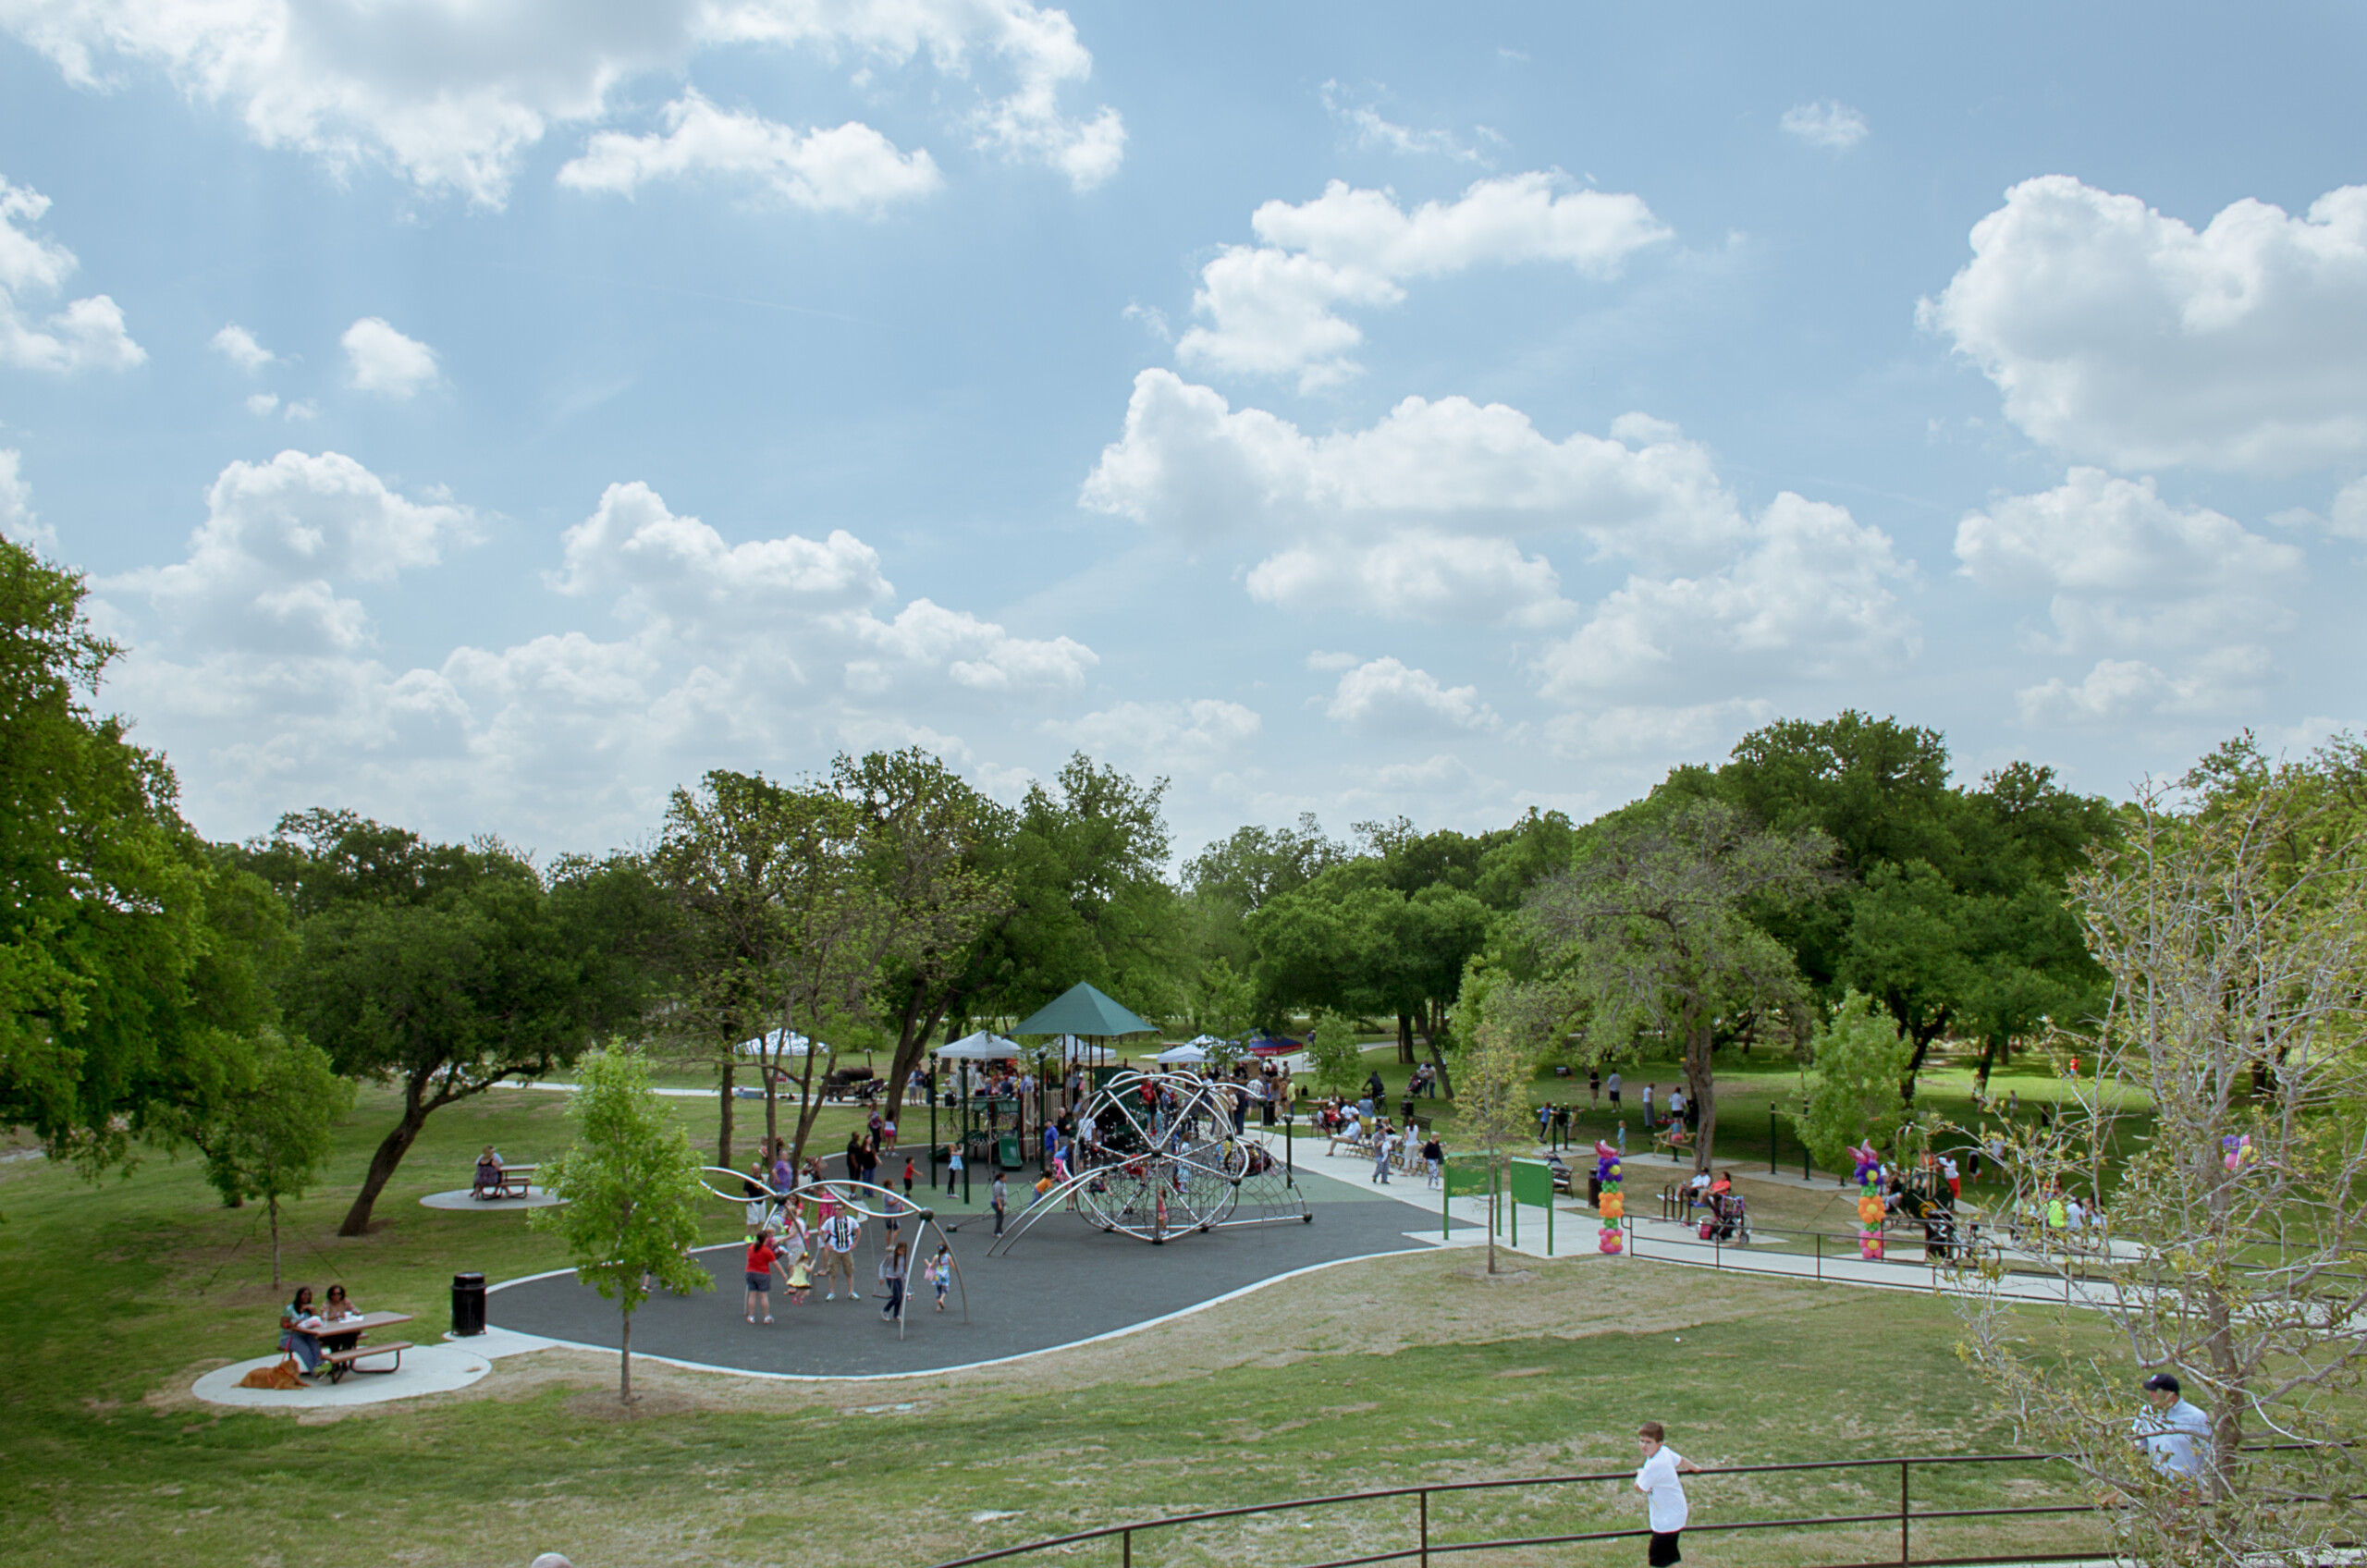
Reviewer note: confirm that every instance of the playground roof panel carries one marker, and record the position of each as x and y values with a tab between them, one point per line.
1081	1010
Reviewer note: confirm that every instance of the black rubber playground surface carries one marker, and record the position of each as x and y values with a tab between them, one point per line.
1062	1281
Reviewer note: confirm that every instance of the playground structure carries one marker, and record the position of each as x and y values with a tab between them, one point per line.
862	1200
1167	1155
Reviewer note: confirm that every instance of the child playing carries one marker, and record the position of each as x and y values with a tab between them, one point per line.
801	1284
938	1271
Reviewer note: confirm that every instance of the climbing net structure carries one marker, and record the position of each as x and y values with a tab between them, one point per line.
770	1208
1158	1155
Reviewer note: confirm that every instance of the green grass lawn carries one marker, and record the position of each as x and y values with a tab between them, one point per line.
115	1296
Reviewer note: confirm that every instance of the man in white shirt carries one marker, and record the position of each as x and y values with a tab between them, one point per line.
2169	1429
840	1235
1665	1504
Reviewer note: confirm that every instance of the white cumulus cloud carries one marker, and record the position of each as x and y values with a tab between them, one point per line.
453	97
17	521
1440	511
1825	124
236	344
1809	594
2121	335
265	568
87	335
2121	568
1189	737
1271	309
1387	694
2121	691
260	663
380	358
850	168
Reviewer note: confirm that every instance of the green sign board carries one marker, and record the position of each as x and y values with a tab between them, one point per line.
1467	1176
1533	1182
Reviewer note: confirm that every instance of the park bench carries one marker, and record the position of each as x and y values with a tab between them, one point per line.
1672	1139
340	1362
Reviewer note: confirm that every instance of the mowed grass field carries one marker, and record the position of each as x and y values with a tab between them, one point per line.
115	1296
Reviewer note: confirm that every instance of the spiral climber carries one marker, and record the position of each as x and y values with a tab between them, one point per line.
1158	1155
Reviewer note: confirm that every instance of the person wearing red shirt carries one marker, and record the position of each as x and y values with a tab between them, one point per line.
761	1257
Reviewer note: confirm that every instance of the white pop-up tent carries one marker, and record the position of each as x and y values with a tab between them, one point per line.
774	1047
1174	1055
980	1047
1068	1047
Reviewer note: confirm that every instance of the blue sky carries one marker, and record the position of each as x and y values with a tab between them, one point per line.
490	416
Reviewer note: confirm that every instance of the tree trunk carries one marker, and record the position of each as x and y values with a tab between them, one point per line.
1981	1072
1406	1040
275	1241
1924	1039
912	1043
390	1154
624	1361
723	1116
808	1106
1491	1211
1701	1091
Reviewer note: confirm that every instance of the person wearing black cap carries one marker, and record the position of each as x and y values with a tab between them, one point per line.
2168	1429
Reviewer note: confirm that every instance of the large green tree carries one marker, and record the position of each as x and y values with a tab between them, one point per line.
132	962
446	969
1090	897
939	853
1949	905
1652	928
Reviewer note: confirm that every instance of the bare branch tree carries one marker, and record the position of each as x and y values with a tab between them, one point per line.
2236	1253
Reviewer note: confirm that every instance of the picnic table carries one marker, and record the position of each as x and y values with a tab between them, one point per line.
340	1362
515	1181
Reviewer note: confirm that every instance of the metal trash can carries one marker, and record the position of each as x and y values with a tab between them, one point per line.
467	1304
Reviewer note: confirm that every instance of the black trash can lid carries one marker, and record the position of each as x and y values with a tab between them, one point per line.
460	1281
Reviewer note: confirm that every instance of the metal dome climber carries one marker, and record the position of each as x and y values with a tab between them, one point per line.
861	1198
1163	1159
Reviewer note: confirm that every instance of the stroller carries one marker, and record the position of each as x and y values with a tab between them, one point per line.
1729	1218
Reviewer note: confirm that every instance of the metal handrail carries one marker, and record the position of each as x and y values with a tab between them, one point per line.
1424	1549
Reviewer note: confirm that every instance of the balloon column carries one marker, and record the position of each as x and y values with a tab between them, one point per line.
1610	1206
1870	1202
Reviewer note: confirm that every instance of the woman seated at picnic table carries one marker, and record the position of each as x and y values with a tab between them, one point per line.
488	1182
334	1309
300	1329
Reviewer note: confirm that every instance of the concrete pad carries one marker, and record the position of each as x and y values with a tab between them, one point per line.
462	1197
426	1370
495	1343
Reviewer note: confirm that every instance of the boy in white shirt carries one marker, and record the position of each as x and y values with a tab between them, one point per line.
1666	1507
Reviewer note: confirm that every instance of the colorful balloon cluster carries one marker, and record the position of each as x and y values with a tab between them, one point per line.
1870	1202
1610	1206
2238	1151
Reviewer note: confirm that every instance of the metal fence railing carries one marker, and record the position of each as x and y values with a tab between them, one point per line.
1428	1528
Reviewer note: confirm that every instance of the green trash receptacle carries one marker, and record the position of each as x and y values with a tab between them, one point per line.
1007	1151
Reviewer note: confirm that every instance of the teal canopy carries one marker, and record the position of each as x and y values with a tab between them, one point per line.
1081	1010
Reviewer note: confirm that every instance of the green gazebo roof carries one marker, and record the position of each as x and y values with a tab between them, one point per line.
1081	1010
